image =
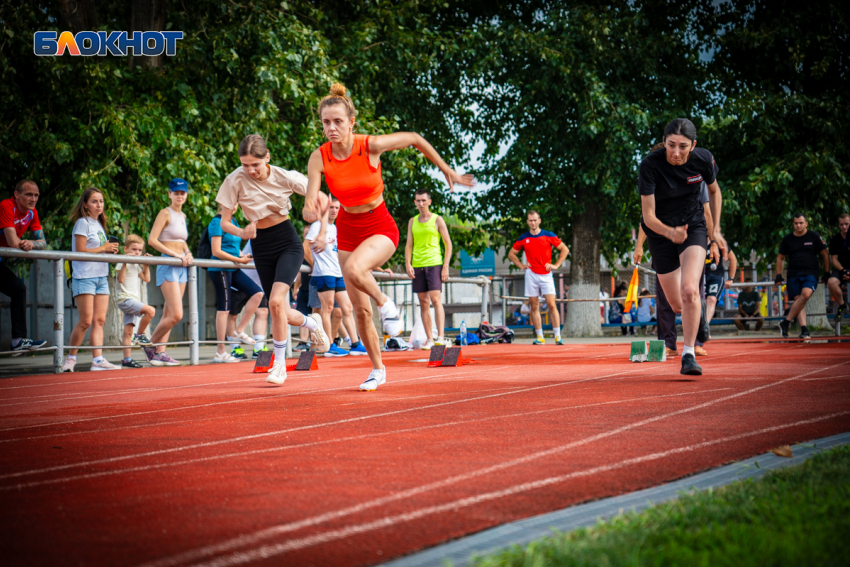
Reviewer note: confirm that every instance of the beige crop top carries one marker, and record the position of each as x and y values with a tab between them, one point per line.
261	199
175	230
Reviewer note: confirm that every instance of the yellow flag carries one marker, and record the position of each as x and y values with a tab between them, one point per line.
632	294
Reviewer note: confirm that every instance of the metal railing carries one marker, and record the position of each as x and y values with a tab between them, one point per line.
60	256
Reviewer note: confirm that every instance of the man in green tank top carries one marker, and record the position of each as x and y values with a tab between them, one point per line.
426	265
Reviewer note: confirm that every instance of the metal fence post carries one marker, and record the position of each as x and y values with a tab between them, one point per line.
504	302
485	297
58	314
194	336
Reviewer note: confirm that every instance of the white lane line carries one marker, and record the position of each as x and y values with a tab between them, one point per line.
240	400
292	429
132	376
211	418
840	376
272	550
143	468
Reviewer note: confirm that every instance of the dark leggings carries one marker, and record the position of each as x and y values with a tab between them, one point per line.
277	255
14	287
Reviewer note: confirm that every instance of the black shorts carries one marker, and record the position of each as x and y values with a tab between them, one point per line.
837	274
277	255
241	298
302	300
428	278
714	284
225	282
665	253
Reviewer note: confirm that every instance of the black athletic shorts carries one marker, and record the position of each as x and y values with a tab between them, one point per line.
665	253
277	255
428	278
837	274
240	299
714	283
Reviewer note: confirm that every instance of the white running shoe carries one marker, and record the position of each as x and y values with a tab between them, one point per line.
104	365
389	318
318	336
375	379
69	364
243	338
224	357
277	375
427	345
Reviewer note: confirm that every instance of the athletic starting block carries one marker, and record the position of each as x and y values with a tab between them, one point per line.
437	353
265	361
638	353
453	357
657	351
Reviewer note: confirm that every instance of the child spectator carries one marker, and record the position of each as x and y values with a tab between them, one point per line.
129	299
89	283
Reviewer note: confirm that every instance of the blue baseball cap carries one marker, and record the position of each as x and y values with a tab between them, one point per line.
178	184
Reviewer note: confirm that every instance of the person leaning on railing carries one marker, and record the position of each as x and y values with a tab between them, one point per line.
17	216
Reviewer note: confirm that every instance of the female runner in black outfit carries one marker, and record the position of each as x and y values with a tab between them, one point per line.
669	183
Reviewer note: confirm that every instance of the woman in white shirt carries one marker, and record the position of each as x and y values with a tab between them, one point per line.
89	283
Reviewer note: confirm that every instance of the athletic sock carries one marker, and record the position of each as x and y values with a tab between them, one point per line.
804	329
16	342
258	346
98	360
279	350
128	359
309	323
234	342
687	350
539	333
348	340
72	356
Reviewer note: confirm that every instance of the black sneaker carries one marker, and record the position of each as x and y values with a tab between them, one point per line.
131	364
783	328
804	333
239	353
29	344
301	347
142	340
702	330
690	366
839	313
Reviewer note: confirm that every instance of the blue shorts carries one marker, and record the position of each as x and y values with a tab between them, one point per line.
794	286
90	286
327	283
177	274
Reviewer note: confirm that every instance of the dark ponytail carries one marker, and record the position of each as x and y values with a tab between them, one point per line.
682	127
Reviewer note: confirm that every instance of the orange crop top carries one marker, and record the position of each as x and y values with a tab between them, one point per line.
352	180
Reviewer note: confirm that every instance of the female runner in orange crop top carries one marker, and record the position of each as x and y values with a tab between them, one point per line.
366	232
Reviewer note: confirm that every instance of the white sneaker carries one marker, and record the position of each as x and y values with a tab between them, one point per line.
243	338
224	357
439	341
375	379
389	318
427	345
277	375
69	364
318	336
104	365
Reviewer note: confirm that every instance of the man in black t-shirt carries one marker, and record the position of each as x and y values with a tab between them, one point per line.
839	253
802	248
749	302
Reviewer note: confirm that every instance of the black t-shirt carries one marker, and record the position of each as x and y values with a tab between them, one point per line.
749	301
676	187
837	248
718	272
802	253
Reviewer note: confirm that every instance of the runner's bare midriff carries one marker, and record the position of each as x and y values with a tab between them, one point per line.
365	208
269	222
176	246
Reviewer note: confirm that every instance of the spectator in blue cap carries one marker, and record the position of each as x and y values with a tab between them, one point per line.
168	236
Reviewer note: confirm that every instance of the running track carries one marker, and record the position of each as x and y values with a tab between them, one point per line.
210	466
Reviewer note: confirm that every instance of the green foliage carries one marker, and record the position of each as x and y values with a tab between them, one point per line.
795	516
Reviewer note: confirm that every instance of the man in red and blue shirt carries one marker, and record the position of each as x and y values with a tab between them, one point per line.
17	216
537	245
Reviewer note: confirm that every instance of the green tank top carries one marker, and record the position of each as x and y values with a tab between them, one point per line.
426	243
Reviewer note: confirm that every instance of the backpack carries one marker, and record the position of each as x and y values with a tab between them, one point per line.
488	333
204	249
69	274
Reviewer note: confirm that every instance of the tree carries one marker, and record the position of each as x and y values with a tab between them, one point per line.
778	129
583	92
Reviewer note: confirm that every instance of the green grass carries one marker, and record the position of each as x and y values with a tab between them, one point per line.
799	515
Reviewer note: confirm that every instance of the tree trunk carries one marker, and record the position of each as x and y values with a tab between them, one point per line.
79	15
817	304
583	317
147	15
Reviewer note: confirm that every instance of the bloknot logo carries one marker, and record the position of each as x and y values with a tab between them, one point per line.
90	43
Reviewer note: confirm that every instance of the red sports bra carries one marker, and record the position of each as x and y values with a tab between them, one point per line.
352	180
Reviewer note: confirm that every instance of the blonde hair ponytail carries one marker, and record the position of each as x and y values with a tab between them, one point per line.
337	96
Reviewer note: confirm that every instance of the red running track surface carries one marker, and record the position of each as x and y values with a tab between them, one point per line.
210	465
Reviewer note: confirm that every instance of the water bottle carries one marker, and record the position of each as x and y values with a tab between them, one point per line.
463	333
